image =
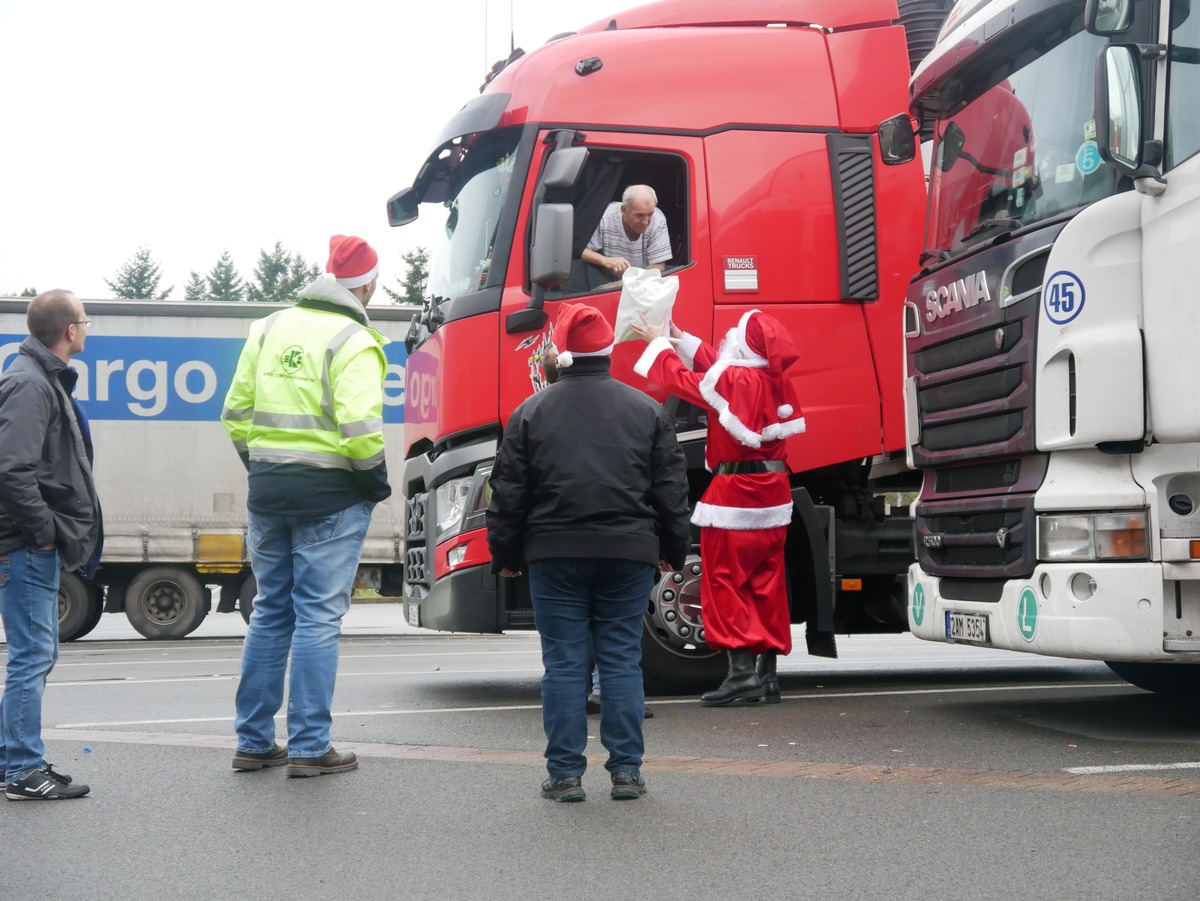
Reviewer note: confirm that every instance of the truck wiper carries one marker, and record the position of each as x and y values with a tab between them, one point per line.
1006	223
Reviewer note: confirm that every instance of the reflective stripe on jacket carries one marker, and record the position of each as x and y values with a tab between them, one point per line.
309	385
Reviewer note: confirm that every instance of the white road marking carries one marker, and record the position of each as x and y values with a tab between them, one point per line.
664	702
1129	768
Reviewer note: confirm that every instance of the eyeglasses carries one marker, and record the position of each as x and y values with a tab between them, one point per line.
86	322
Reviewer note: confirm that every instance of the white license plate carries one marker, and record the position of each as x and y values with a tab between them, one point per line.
414	615
967	627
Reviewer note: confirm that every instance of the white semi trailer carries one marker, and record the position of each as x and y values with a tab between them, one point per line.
152	380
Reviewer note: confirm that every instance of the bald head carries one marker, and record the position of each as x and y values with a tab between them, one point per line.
54	319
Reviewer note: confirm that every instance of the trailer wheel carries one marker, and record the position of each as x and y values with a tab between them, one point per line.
675	659
1172	679
164	602
246	597
79	607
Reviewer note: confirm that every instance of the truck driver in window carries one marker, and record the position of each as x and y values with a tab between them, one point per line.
631	233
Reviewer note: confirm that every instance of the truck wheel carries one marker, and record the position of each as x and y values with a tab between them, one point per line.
164	602
246	597
675	659
1173	679
79	607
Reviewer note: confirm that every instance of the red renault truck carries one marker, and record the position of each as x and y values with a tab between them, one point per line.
756	124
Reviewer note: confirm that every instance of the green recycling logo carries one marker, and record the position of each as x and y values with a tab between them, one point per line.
292	358
918	604
1027	614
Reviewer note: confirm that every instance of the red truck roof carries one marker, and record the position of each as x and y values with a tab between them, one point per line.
832	14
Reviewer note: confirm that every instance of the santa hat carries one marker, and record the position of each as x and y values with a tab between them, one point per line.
758	342
352	261
581	331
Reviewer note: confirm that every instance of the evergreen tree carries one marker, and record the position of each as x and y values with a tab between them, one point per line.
279	276
224	283
195	289
416	276
29	292
138	279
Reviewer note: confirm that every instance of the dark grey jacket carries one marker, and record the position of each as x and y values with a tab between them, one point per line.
47	494
589	467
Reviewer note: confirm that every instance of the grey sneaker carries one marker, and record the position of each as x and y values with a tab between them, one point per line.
563	788
627	785
245	760
44	785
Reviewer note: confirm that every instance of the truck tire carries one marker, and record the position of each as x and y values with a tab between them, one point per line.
1171	679
246	597
79	607
675	659
165	602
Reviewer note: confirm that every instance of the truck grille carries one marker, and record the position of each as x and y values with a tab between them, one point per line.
989	538
416	576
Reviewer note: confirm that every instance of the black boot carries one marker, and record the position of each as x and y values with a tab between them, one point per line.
742	681
770	679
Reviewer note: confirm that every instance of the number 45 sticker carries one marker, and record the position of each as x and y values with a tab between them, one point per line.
1063	297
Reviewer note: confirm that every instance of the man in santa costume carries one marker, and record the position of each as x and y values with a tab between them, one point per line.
745	512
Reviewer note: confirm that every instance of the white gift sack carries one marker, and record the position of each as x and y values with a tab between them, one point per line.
644	292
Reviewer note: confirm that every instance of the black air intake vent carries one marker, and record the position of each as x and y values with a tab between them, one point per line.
853	162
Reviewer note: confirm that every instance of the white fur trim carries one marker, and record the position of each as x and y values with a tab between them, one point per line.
729	421
687	348
779	430
649	355
784	411
565	359
359	280
742	518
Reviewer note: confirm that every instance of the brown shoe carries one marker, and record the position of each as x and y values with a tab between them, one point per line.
332	761
244	760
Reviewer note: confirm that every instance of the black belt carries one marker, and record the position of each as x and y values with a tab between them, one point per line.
749	466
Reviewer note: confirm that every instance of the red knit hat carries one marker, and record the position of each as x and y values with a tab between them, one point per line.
352	261
581	331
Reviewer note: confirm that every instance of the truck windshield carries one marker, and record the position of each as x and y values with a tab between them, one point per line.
477	183
1020	151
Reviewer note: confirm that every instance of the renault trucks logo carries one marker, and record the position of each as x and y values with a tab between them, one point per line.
292	358
962	294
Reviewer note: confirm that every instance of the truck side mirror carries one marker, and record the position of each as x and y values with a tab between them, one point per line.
563	167
550	253
1119	108
897	140
402	207
1108	16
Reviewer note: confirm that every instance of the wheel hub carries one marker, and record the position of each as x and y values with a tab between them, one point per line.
674	616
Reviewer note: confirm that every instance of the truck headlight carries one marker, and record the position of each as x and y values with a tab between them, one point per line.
1093	536
462	503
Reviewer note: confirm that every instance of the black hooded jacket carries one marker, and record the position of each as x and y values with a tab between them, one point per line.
589	467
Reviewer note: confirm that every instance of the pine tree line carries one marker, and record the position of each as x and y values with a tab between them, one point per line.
278	277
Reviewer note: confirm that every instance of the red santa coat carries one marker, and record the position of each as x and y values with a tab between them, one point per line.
744	516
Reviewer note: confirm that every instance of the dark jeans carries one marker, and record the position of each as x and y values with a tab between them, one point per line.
586	606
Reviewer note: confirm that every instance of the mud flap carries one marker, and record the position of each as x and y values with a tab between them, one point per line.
810	580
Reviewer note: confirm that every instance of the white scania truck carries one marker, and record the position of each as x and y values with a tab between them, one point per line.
1053	373
152	380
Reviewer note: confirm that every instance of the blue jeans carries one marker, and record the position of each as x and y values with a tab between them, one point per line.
584	606
29	610
305	573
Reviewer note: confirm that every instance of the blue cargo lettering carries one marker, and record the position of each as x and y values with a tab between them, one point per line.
175	379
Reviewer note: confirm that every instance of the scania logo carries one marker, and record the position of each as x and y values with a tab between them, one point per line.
962	294
932	540
1002	537
292	358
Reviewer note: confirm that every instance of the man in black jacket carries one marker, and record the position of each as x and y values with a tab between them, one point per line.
49	518
589	494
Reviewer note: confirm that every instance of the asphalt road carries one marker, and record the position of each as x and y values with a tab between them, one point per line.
901	770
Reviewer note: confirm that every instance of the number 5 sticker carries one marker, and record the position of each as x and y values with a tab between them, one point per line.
1063	297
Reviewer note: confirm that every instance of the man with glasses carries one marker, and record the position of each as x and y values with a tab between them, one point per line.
49	519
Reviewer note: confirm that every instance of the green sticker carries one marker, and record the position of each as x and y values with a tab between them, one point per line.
918	604
1027	614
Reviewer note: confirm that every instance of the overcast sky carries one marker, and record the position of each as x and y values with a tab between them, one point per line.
191	129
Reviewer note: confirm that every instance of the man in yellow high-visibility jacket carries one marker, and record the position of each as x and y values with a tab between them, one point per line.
305	412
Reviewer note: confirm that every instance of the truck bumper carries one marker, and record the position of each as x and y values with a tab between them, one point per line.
463	601
1133	615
